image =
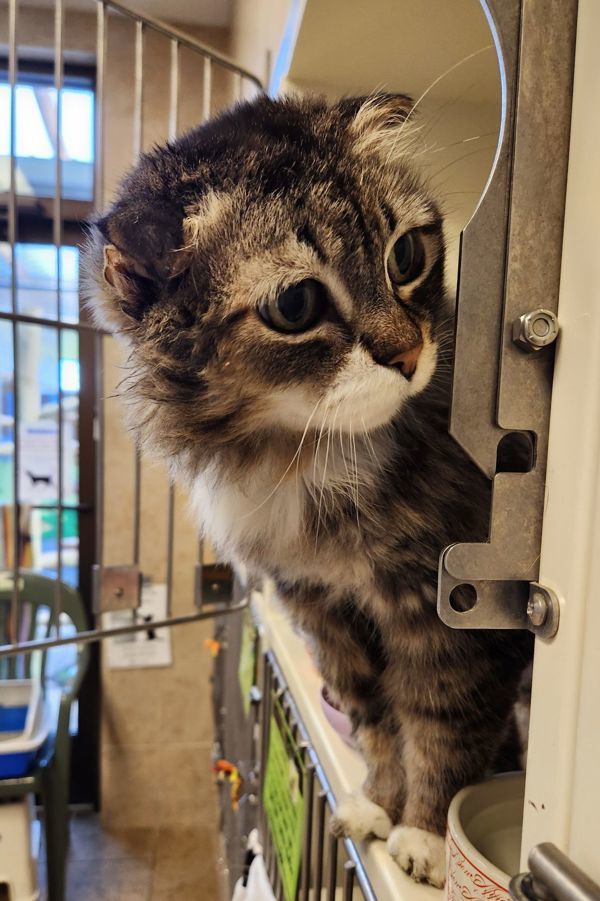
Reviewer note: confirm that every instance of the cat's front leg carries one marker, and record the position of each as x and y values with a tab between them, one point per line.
359	818
372	812
440	758
348	651
419	852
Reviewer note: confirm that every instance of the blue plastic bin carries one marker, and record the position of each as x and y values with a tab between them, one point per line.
23	725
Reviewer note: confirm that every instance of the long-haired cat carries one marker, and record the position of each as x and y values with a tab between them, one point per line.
278	276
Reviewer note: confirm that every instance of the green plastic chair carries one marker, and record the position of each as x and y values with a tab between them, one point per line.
49	775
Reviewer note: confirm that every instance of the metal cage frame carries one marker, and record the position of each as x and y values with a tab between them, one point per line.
242	77
328	863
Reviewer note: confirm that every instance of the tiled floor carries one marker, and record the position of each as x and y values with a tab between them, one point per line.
140	864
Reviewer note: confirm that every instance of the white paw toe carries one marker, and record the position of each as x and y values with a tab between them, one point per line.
420	854
358	818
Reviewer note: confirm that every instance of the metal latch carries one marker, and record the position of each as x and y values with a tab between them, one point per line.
116	588
507	301
552	877
213	584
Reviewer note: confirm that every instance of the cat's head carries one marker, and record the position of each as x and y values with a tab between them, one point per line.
280	266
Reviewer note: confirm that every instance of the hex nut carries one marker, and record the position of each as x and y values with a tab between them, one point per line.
535	330
537	609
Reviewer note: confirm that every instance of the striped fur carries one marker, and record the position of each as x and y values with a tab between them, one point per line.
306	458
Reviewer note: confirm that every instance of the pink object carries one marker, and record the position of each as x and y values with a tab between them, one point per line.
337	719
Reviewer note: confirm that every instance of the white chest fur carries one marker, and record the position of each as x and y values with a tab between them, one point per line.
267	511
240	513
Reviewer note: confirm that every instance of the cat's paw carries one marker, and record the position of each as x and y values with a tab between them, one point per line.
421	854
358	818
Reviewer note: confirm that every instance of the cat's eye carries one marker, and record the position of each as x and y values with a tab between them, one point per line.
297	308
406	258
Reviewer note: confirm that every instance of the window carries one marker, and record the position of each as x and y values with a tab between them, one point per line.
35	135
55	361
46	283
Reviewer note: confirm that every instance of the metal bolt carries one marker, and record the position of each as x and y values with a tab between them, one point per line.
525	888
535	330
537	609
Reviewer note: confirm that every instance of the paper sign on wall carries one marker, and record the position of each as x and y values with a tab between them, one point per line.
146	648
38	462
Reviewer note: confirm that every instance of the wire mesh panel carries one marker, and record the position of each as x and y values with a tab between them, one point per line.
329	868
83	90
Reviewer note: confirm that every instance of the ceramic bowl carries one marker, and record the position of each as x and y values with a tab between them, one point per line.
483	841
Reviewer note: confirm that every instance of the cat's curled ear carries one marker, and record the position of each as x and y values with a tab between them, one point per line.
378	124
133	252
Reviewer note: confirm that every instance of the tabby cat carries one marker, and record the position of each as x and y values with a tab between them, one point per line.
278	277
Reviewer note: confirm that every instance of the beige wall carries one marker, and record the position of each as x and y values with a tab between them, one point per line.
157	732
256	30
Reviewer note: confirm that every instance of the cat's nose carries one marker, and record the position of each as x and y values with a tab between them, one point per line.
406	360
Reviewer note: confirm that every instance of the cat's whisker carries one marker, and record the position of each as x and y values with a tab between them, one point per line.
354	463
409	120
348	488
411	139
433	149
335	416
298	496
441	111
341	434
436	81
314	456
459	159
318	446
445	341
324	476
288	467
324	472
442	196
443	347
369	444
357	475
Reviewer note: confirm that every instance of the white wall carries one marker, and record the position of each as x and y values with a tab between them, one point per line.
563	774
256	32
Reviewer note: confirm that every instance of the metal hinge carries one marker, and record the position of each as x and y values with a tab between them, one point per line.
213	584
116	588
552	877
508	296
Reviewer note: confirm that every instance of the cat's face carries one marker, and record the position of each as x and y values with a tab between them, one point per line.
280	268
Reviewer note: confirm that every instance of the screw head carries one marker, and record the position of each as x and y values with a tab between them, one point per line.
537	609
535	330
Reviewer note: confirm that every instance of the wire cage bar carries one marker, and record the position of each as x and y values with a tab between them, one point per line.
328	864
57	230
212	63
